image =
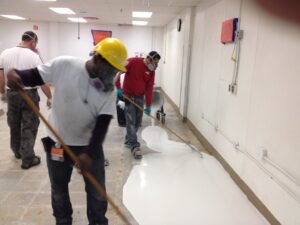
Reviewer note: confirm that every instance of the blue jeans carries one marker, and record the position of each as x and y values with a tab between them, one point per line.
134	118
60	175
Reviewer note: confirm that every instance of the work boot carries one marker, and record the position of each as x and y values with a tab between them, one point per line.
136	152
36	160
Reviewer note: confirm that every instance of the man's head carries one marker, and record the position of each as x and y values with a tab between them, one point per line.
30	40
110	57
152	60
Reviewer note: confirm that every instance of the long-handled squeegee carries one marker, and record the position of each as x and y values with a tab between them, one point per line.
163	125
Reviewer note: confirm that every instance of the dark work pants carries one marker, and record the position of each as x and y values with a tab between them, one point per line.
23	123
60	175
120	113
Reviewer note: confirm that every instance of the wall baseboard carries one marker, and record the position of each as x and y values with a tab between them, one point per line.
236	178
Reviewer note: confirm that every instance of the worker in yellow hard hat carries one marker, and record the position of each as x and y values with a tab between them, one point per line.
109	58
83	105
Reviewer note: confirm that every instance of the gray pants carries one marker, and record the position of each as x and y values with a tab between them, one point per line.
23	123
134	118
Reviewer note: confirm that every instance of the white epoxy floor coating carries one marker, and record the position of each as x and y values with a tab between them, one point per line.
175	186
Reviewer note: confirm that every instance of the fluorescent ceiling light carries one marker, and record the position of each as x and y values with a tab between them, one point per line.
14	17
139	23
62	10
77	20
45	0
141	14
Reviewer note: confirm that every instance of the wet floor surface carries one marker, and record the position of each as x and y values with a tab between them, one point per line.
25	194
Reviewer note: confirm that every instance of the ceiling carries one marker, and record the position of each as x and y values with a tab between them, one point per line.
108	11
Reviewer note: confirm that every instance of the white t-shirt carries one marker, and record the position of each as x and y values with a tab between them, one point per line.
18	58
76	102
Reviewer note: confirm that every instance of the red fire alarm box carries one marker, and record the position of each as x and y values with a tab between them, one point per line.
229	28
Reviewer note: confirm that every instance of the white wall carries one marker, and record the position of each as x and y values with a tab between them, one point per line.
173	59
62	38
265	111
12	32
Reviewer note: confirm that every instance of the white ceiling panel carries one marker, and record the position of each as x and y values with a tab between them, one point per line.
108	11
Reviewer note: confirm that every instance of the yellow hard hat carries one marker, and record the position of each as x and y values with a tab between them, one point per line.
113	51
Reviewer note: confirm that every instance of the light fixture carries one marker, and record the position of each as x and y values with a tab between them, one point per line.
77	19
62	10
13	17
137	14
45	0
90	18
139	23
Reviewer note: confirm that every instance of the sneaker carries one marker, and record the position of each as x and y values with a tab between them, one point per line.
137	153
36	160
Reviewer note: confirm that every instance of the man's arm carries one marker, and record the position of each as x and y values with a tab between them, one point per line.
98	135
149	90
94	149
286	9
46	89
17	79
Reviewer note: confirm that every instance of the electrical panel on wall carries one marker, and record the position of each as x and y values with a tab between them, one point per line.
229	28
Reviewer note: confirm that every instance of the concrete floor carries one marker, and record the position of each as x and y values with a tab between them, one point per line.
25	194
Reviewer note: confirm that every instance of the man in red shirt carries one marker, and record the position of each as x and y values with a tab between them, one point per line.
138	86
